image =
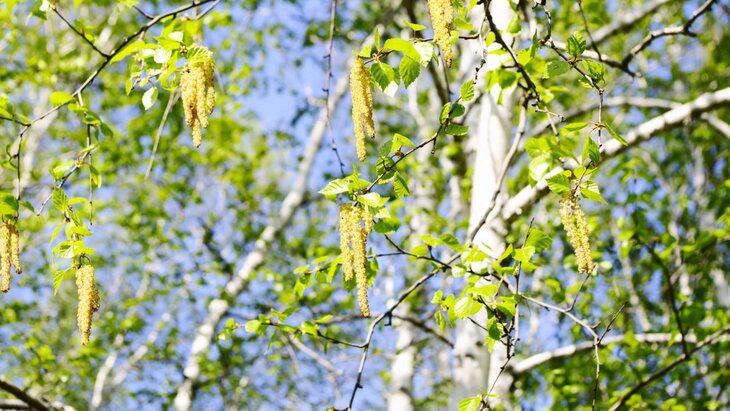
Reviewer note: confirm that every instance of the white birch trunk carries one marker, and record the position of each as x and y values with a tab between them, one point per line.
475	369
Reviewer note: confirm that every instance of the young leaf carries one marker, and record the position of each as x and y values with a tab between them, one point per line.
576	44
589	190
414	26
149	98
558	183
614	134
409	70
556	67
59	98
467	91
404	46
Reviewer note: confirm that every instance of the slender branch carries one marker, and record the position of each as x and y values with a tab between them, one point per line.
711	339
669	31
170	104
79	32
328	80
625	21
523	200
34	402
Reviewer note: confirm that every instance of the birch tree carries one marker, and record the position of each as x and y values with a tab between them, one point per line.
402	205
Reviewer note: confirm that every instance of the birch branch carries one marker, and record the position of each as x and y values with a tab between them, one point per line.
33	402
523	200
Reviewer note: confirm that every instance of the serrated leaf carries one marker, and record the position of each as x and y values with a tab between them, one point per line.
575	126
576	44
467	91
409	70
400	186
559	183
445	110
404	46
59	276
8	204
470	404
383	75
457	110
539	240
372	200
425	50
456	129
60	200
399	140
59	98
335	187
466	306
589	190
556	67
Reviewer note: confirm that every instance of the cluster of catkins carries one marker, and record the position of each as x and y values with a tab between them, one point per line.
88	300
362	105
9	254
442	16
576	227
198	92
355	225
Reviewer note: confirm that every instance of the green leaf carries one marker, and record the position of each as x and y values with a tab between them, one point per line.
399	140
556	67
387	225
149	98
252	326
404	46
425	50
60	200
488	291
514	26
376	38
466	306
372	200
335	187
400	186
575	126
414	26
539	240
558	183
590	150
445	110
576	44
614	134
59	276
456	129
8	204
409	70
467	91
457	110
589	190
596	70
365	52
59	98
60	170
470	404
383	74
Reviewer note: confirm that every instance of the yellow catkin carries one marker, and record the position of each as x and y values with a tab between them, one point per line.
362	106
576	228
360	250
15	249
5	258
346	231
442	15
88	300
355	225
197	90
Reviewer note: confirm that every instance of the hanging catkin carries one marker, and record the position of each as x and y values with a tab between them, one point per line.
15	249
197	90
355	225
442	15
576	228
5	257
362	105
88	300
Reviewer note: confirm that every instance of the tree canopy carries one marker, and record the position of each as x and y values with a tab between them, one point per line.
355	205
